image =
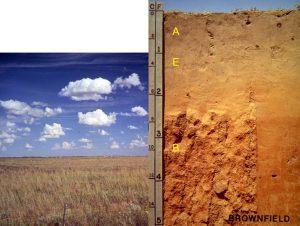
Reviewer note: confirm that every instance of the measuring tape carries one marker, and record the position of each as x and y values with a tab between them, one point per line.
155	124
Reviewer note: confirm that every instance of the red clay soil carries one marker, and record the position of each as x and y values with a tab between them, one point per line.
233	106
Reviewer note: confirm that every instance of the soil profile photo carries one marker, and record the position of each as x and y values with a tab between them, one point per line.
232	110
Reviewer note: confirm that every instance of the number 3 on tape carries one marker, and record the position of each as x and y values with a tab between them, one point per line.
158	133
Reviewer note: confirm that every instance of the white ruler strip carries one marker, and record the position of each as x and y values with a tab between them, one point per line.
156	98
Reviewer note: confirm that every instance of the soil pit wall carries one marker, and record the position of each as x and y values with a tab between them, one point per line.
233	106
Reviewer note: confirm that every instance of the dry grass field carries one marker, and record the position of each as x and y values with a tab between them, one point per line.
97	191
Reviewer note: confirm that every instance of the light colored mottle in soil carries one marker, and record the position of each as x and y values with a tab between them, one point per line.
98	191
233	107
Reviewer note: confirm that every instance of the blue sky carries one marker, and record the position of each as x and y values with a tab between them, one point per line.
73	104
227	6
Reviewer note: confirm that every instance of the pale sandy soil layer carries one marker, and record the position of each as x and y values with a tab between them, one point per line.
233	106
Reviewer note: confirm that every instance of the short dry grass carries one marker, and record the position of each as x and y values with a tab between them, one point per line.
97	190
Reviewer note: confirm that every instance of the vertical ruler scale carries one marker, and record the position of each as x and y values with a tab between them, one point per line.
159	115
155	112
151	115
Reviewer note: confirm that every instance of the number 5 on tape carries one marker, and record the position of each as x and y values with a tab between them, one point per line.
158	220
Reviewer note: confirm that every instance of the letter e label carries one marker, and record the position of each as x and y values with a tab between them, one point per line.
175	62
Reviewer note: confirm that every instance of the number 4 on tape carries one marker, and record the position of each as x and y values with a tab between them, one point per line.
158	176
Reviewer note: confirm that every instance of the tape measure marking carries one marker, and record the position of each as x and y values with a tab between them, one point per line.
155	124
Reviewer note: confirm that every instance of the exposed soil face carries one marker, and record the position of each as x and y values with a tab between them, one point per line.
214	173
233	106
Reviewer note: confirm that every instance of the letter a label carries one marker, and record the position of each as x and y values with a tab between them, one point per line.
175	31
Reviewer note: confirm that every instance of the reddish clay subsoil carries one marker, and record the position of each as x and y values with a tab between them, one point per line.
233	106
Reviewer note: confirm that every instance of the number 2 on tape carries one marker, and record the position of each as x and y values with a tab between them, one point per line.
158	91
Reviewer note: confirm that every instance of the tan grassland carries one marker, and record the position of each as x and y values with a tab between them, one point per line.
97	191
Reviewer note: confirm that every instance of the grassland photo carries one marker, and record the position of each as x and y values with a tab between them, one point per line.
92	190
73	139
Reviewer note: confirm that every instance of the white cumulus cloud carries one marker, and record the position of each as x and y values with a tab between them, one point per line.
51	112
125	114
15	107
137	143
39	103
26	129
64	146
132	127
139	111
28	146
20	108
29	121
114	145
10	124
84	140
135	111
103	132
87	143
98	88
52	131
88	146
133	80
7	138
68	146
97	118
87	89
